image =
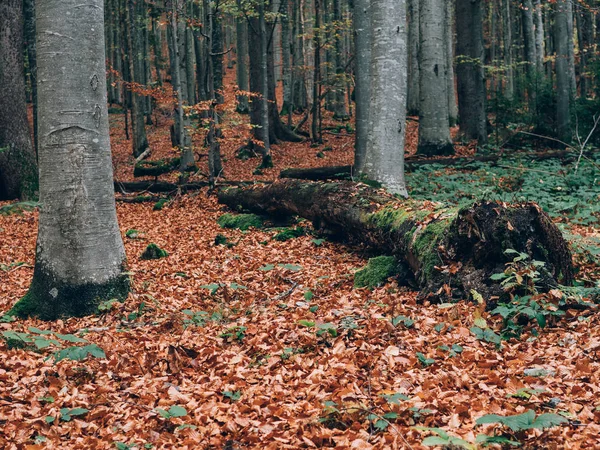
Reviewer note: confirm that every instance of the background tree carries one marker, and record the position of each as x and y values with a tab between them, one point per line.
80	258
18	170
384	161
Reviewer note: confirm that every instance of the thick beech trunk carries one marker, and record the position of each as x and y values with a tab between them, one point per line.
441	246
80	258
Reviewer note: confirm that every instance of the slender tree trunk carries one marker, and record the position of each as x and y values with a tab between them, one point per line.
138	130
316	105
340	110
434	125
80	258
216	50
266	159
413	58
286	56
509	87
529	40
384	161
215	166
563	83
29	13
571	48
449	37
469	70
18	170
362	51
538	16
242	61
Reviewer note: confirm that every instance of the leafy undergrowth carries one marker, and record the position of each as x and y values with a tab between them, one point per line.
266	344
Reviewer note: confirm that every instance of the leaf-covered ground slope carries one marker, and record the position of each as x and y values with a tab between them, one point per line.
246	341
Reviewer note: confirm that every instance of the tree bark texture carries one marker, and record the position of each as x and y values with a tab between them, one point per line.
18	169
384	161
434	115
80	257
362	51
440	245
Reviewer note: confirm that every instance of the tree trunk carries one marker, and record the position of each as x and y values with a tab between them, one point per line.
216	50
340	110
384	161
29	13
18	170
538	17
469	70
563	84
80	257
441	246
362	93
286	57
138	130
529	41
509	87
434	117
413	95
449	38
242	61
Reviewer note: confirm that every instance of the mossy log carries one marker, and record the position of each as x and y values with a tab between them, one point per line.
156	168
443	247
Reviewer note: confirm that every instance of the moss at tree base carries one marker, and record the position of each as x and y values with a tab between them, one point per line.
51	299
377	272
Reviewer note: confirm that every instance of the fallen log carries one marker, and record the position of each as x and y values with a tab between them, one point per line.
449	251
158	187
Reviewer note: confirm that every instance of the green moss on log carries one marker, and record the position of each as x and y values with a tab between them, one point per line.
153	251
376	272
159	205
240	221
51	299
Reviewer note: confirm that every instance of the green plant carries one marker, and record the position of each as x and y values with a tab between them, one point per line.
522	422
289	233
237	333
234	396
444	439
132	234
172	412
520	274
66	414
523	309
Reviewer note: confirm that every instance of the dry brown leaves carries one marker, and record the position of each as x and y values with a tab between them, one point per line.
256	348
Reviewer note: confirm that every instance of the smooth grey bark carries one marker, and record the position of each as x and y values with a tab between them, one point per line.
242	60
449	38
538	18
340	109
29	24
413	57
563	84
286	58
216	49
18	169
571	48
264	91
299	72
509	87
585	35
80	257
434	124
384	160
136	72
529	42
215	167
362	95
470	70
181	136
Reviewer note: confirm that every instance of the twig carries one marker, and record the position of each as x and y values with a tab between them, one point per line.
287	293
582	146
143	155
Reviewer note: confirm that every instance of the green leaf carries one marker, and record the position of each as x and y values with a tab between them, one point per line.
177	411
308	296
267	267
395	398
501	440
185	426
48	399
381	425
306	323
49	419
78	411
318	242
213	288
457	348
548	421
237	287
498	276
70	338
432	441
163	413
38	331
292	267
517	422
424	360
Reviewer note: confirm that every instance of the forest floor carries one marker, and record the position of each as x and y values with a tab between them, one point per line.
267	344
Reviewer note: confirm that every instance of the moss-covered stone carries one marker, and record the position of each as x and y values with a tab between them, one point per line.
51	299
153	251
377	272
240	221
289	233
